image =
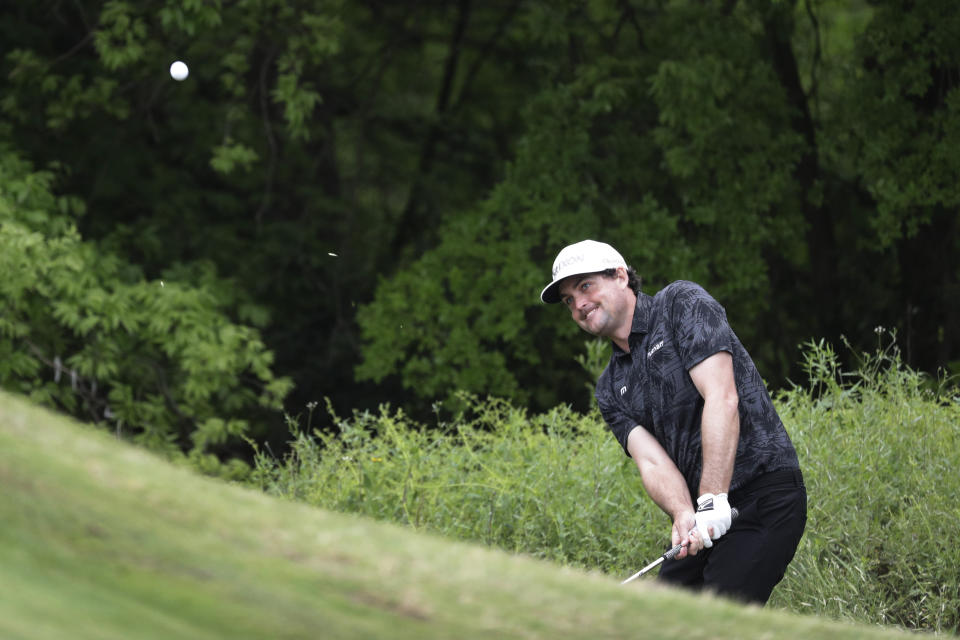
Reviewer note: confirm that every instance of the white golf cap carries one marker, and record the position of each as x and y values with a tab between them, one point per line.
587	256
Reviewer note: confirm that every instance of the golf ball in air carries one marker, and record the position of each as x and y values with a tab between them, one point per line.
179	71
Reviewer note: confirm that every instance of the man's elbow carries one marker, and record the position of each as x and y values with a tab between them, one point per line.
723	403
730	401
643	449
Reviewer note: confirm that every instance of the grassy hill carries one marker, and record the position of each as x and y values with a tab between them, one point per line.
102	540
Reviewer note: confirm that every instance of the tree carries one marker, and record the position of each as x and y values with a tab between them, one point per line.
905	125
392	181
84	331
719	142
312	147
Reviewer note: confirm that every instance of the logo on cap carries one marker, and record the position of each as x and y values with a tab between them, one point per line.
563	264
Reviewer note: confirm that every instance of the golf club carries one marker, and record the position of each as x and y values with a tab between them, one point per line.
671	553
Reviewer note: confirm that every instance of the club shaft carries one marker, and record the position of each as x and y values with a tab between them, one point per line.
650	566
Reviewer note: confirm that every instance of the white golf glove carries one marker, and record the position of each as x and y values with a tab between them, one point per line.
712	511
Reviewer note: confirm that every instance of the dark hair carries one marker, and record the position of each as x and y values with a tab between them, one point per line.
633	280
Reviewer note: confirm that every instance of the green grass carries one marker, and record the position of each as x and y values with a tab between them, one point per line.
103	540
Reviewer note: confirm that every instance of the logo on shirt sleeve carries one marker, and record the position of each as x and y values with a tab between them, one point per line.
623	390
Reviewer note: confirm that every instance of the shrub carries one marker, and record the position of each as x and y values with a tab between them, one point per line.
86	332
879	449
547	485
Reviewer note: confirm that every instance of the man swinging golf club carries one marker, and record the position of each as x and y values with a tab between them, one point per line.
685	401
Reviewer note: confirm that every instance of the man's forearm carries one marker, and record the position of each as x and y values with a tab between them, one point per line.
662	480
720	433
719	422
667	488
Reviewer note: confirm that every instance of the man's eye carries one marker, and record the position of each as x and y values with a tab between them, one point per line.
583	287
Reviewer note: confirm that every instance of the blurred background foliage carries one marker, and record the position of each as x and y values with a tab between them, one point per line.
362	200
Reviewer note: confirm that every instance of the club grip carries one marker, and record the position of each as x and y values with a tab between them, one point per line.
675	550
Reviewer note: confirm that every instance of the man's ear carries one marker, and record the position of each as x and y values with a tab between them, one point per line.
622	278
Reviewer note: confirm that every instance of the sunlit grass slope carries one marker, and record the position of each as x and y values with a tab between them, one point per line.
102	540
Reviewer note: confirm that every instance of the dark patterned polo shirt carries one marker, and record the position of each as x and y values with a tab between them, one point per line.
650	386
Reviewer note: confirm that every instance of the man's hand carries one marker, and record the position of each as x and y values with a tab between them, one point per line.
685	534
713	517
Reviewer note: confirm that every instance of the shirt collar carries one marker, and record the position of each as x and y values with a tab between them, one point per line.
641	319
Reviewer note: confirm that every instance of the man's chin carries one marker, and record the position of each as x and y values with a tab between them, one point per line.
592	329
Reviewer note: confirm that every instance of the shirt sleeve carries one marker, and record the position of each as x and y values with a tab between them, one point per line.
619	422
700	325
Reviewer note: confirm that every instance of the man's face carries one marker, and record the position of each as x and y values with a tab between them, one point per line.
598	304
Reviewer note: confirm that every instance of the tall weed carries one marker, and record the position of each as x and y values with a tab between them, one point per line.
878	449
548	485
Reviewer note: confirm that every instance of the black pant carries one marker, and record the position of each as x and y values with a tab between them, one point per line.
748	561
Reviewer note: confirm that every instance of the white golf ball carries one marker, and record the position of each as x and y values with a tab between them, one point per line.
179	71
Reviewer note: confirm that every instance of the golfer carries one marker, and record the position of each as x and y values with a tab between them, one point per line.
685	401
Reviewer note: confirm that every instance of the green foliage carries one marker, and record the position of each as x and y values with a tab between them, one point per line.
388	185
120	39
546	485
82	330
910	147
303	130
466	314
231	154
877	447
725	133
726	143
879	450
593	361
634	153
